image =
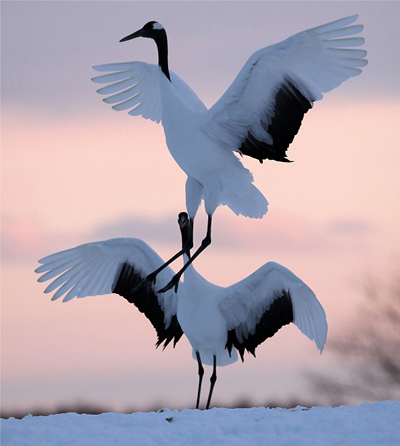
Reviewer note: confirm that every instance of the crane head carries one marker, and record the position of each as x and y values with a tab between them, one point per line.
150	29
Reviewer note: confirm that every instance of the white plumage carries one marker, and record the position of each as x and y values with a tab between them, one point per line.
259	114
218	321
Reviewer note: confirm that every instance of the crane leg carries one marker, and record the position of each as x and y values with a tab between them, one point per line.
174	282
213	379
151	278
201	373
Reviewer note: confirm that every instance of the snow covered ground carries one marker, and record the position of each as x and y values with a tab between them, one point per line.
367	424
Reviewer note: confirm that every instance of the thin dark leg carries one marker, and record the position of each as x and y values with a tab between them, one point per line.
189	244
201	373
213	379
174	282
151	278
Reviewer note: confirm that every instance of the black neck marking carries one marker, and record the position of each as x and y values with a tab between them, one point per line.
162	46
280	313
147	302
185	228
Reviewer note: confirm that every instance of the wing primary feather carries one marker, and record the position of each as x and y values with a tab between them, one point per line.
112	77
122	96
53	271
61	279
117	86
53	259
63	289
129	103
343	43
346	31
336	24
346	53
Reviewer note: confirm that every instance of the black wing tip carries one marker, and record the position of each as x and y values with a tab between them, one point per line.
281	159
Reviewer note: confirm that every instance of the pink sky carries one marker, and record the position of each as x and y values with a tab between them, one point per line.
74	171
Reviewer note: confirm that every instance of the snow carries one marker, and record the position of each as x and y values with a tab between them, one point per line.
367	424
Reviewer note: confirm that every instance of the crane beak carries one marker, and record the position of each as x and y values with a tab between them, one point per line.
138	33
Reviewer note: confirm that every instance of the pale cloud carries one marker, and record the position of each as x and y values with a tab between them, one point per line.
162	230
27	239
286	233
19	238
355	227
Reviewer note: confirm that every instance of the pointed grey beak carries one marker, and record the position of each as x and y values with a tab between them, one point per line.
138	33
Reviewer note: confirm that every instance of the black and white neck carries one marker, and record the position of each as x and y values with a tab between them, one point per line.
154	30
186	235
162	47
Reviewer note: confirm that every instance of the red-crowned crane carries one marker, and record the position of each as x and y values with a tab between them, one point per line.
218	321
258	116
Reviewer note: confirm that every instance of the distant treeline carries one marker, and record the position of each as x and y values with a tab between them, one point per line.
90	409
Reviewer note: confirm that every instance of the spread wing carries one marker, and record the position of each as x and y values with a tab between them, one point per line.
261	112
258	306
135	86
115	266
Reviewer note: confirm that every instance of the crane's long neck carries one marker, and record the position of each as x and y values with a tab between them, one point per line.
186	228
162	47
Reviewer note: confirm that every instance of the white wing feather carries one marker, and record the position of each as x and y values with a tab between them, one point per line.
135	86
92	270
315	61
246	302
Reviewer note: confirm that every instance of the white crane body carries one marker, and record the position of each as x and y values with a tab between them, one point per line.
259	114
219	322
198	306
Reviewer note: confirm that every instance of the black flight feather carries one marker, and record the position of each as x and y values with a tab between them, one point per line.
280	313
147	302
290	108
